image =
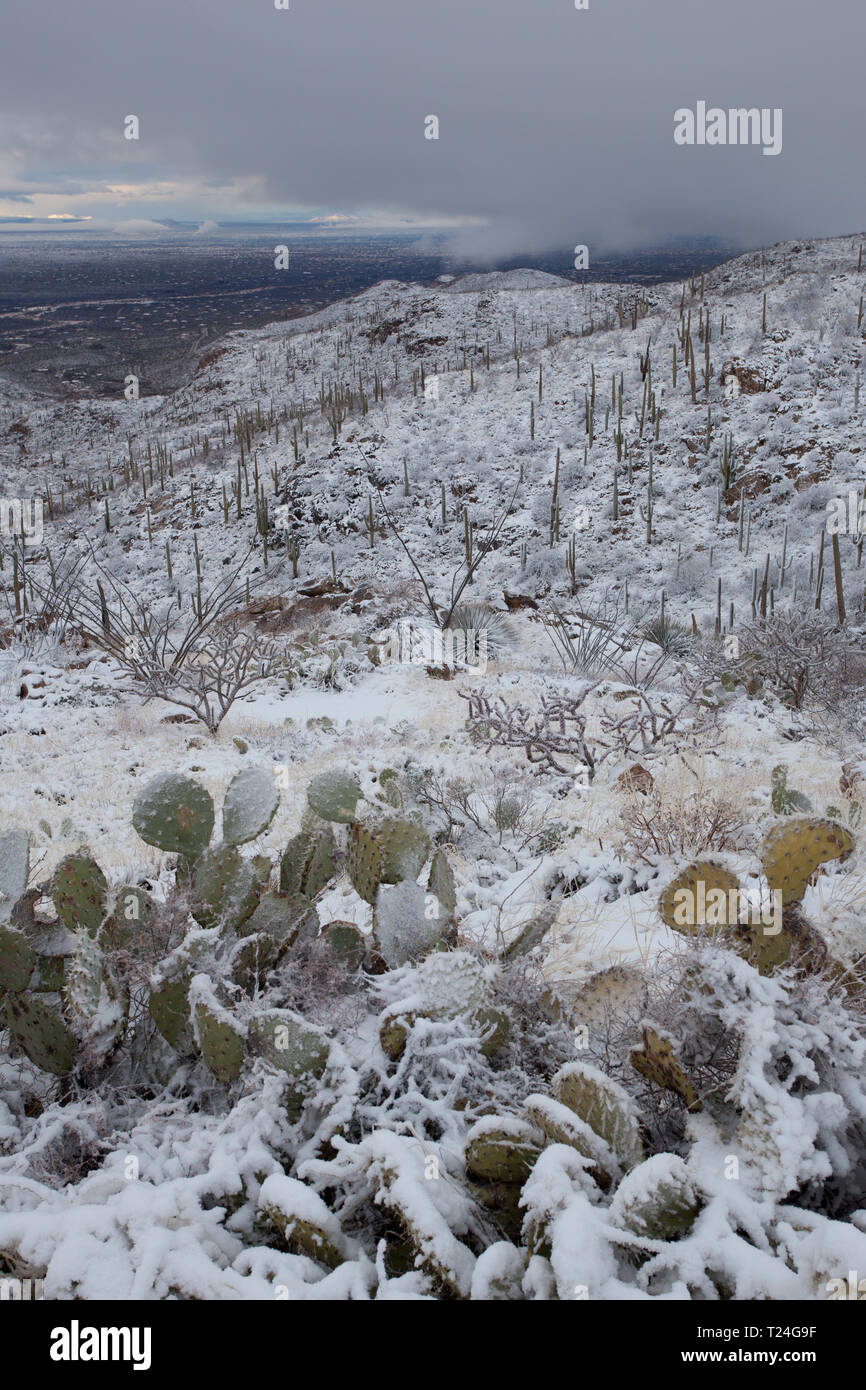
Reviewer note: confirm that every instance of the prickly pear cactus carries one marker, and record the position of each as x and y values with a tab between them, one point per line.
262	866
250	805
494	1026
251	960
40	1032
321	863
334	796
405	848
84	979
655	1060
225	890
793	850
604	1106
451	983
501	1202
289	1043
608	993
657	1199
50	974
133	909
501	1149
398	1165
220	1037
97	1008
394	1026
785	800
447	984
498	1276
699	897
560	1125
80	892
14	869
283	918
706	895
401	925
389	781
363	862
174	813
306	1225
308	862
293	861
170	1011
347	943
533	932
17	960
768	945
441	882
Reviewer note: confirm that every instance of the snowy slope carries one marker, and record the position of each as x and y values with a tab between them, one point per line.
436	410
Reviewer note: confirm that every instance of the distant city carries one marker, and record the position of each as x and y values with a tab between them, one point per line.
78	312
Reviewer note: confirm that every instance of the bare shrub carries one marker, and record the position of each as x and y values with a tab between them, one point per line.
322	986
37	614
443	614
498	803
685	826
201	660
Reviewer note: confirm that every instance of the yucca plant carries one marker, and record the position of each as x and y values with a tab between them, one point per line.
473	619
668	634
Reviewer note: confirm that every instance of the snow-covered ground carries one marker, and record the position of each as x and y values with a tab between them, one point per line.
472	404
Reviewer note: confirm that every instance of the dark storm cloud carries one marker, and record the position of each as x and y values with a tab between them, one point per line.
556	124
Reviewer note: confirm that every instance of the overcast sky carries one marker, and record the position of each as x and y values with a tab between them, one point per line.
556	124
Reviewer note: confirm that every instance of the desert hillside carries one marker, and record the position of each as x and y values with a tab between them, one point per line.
493	614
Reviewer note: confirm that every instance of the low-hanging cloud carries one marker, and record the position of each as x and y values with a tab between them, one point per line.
556	125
